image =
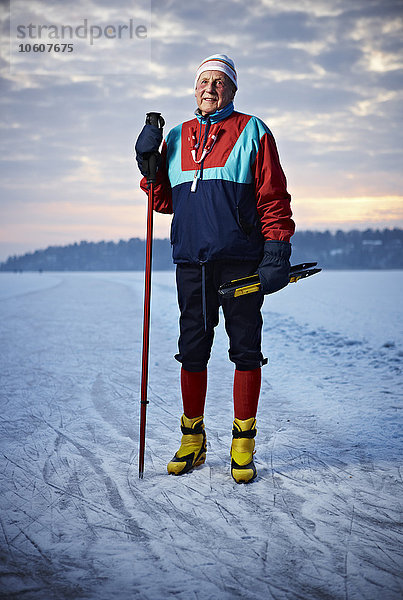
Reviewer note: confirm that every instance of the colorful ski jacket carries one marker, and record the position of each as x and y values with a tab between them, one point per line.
221	178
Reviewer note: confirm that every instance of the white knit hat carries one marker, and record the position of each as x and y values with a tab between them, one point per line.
218	62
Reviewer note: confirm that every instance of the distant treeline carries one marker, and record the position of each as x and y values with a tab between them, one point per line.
370	249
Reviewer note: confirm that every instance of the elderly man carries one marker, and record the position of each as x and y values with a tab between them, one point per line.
220	176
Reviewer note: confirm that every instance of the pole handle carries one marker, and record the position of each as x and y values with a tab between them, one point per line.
156	119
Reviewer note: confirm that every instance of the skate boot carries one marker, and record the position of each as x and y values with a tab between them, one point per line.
243	469
192	451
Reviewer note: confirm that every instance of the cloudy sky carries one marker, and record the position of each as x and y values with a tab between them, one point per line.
325	75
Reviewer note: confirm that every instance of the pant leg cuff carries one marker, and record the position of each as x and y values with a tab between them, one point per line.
193	367
250	366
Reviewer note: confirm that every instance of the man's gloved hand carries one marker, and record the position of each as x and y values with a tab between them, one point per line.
148	142
274	270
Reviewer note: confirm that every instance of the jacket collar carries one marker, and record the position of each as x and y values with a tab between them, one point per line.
216	117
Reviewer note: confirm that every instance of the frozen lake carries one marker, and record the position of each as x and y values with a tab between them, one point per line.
323	519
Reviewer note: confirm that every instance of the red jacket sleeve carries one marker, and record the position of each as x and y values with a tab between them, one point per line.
162	187
273	200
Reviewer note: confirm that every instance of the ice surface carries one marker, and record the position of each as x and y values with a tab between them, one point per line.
322	521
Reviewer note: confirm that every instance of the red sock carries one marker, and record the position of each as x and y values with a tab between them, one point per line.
194	387
246	393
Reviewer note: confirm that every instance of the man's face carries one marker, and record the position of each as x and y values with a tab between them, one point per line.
214	90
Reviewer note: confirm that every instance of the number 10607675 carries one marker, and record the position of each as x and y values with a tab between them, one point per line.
45	48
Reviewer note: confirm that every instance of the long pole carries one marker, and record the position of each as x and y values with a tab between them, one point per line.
146	328
155	119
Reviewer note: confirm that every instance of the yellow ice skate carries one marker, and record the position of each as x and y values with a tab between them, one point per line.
192	451
243	468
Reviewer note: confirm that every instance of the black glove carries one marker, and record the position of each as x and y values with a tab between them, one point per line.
147	144
274	270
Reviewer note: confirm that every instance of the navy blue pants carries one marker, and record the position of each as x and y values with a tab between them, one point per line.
199	304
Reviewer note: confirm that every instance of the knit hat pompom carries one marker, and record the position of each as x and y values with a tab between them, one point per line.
218	62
